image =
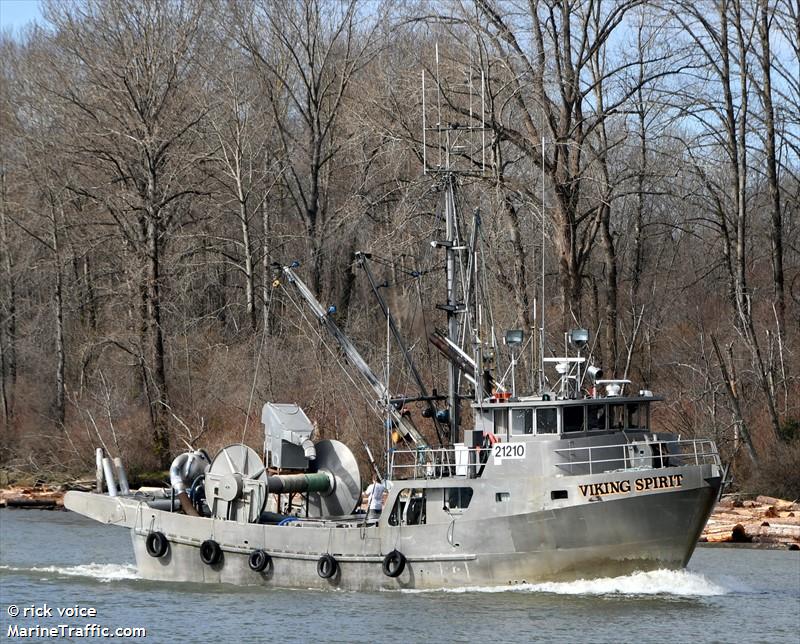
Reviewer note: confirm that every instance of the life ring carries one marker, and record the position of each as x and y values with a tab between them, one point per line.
327	566
394	563
210	552
259	561
156	544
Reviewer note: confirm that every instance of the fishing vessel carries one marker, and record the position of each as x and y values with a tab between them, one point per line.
569	480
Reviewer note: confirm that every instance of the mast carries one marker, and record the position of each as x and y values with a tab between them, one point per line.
453	372
461	152
542	304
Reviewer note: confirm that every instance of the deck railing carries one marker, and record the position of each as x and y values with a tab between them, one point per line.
435	463
638	455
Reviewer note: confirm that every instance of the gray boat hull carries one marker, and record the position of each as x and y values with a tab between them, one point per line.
608	537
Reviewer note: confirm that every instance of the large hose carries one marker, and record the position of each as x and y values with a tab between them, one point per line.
183	471
286	484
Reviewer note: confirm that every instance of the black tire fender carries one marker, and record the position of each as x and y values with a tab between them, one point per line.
259	561
327	566
394	564
210	552
156	544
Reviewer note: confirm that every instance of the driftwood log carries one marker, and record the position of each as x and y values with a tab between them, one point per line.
39	497
764	520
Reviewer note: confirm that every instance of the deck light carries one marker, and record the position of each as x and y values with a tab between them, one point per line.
514	337
594	373
579	338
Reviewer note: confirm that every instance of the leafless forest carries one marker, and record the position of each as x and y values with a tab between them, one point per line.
158	156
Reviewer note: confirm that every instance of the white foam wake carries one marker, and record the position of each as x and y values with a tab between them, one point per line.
680	583
101	572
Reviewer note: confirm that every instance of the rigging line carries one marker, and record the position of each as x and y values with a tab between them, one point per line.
391	328
418	306
412	273
356	386
361	388
396	265
255	375
467	326
470	326
327	252
485	290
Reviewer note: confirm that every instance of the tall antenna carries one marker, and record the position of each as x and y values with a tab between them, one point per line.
542	381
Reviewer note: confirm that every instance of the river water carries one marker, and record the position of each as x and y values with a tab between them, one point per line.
52	560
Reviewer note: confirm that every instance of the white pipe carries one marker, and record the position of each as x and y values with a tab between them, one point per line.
109	472
309	449
98	471
122	476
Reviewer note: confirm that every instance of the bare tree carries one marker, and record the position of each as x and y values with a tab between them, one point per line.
726	42
549	85
764	88
8	314
308	55
136	116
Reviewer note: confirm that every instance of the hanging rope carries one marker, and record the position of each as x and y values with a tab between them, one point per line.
255	375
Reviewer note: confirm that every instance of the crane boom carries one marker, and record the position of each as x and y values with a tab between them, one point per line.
408	430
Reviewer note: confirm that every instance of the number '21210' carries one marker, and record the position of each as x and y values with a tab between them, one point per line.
509	450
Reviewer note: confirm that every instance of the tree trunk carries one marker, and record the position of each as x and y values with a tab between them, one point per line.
157	380
266	268
776	229
570	274
3	394
610	260
8	330
520	286
58	311
732	389
247	249
88	290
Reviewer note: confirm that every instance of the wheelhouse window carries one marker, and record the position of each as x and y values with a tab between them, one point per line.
637	416
573	418
522	421
420	506
409	509
547	420
501	421
595	417
616	416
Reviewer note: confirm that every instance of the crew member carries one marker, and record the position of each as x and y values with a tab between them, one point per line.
373	497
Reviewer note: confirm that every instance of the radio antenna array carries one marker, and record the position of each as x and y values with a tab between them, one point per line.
453	122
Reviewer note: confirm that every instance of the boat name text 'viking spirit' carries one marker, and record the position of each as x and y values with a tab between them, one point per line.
625	486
